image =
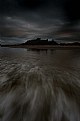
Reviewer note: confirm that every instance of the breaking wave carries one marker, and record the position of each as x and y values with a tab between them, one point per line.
35	95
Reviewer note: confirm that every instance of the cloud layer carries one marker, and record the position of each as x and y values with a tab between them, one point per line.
33	18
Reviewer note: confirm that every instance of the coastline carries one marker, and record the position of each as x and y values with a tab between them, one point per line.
42	47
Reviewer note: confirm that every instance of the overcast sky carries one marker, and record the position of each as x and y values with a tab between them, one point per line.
21	20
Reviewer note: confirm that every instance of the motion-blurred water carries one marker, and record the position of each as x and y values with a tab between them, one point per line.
39	85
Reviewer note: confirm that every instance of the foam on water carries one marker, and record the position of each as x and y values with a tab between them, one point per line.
32	96
39	89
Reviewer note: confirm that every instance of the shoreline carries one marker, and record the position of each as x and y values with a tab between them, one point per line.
42	47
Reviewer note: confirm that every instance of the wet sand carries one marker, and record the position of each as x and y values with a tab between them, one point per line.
42	47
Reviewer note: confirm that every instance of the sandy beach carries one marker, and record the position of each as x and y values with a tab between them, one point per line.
42	47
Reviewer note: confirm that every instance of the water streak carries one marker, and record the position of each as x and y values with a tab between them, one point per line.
39	89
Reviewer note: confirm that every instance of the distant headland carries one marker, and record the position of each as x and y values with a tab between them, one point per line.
43	44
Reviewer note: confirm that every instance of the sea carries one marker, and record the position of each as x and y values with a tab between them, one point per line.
39	85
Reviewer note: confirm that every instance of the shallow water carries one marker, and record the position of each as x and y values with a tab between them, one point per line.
39	85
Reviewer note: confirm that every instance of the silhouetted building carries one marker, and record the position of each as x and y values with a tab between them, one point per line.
38	41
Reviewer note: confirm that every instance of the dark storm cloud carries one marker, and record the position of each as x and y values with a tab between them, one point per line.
36	18
70	8
33	16
26	4
13	5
